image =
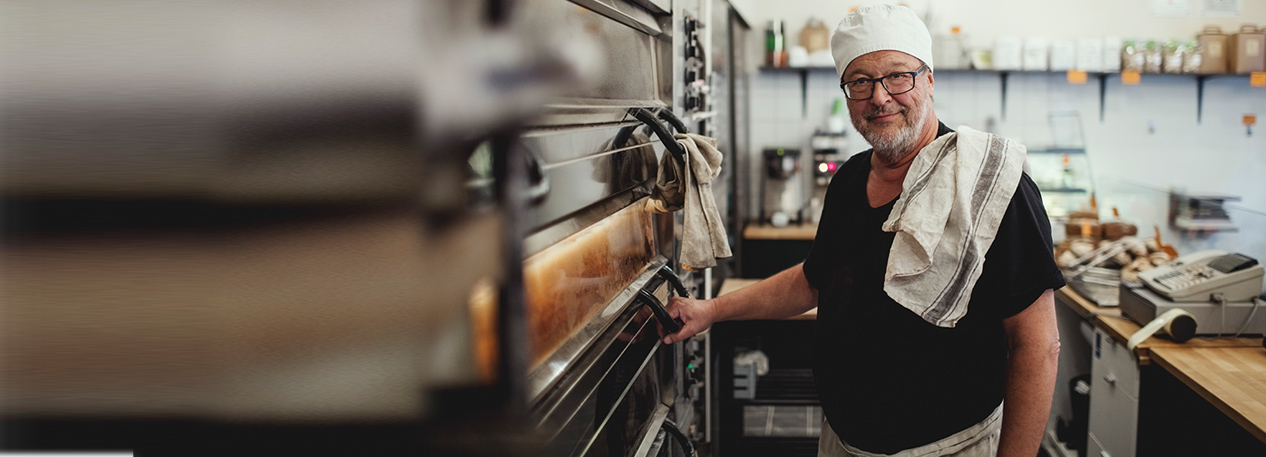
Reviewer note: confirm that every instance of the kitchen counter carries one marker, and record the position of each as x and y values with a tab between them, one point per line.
804	232
1229	373
767	250
1233	379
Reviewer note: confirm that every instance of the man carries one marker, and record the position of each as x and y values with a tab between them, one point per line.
902	367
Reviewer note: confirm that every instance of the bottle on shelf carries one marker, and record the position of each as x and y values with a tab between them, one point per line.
775	44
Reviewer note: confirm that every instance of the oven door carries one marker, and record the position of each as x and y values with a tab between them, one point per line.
615	399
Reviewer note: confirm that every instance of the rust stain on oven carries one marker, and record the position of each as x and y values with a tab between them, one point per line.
568	283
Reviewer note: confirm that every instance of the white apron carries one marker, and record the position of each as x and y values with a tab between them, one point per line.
980	440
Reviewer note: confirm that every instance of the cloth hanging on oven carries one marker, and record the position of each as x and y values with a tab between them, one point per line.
703	239
669	194
629	169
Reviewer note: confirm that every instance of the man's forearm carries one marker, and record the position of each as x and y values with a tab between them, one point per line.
780	296
1031	368
1030	384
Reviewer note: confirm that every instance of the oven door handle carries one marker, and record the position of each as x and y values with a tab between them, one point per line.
666	320
653	440
671	118
673	430
670	324
667	273
622	137
538	186
662	132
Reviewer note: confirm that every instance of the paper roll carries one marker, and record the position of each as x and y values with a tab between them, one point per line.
1179	324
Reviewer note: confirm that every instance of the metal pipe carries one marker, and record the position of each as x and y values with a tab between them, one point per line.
512	184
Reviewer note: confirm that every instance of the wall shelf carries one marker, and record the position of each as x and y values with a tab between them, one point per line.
1067	190
1102	77
1056	151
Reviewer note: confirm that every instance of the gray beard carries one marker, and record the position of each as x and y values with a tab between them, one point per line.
892	150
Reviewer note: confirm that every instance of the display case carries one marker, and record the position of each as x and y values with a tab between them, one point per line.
1060	167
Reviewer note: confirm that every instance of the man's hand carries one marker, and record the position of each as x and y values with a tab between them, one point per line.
780	296
696	316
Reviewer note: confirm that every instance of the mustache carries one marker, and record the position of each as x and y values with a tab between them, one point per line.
881	112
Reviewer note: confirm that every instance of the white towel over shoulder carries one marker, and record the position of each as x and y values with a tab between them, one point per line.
952	201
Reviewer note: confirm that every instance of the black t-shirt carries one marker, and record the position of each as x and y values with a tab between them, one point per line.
887	379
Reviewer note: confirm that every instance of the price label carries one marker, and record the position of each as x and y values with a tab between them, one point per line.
1257	79
1130	78
1076	77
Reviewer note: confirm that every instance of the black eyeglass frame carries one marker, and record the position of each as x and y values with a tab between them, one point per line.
913	75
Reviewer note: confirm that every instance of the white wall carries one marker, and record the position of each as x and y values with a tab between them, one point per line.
983	20
1148	141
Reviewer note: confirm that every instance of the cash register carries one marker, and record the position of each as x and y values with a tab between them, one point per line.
1216	293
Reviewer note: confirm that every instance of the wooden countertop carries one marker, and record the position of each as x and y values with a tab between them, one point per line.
1233	379
1120	328
1230	373
793	232
733	284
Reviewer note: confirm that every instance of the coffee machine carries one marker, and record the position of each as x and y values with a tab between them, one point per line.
782	188
828	157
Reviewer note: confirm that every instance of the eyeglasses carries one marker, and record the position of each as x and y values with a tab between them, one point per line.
896	83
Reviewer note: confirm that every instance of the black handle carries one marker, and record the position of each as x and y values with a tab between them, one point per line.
667	273
671	118
622	136
661	314
660	131
671	427
538	186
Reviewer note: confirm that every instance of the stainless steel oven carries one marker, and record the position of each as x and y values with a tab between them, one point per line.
299	273
599	264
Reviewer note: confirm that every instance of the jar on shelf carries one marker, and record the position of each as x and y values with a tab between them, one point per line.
1192	56
1171	57
1152	53
1131	56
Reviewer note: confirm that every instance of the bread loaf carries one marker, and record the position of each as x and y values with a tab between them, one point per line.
1116	230
1085	228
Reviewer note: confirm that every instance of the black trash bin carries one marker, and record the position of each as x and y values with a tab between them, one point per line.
1073	432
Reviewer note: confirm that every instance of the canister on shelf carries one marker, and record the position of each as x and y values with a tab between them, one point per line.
1213	46
1036	54
1248	51
1090	55
815	36
1111	53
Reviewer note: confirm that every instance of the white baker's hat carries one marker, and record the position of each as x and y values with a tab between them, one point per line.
880	28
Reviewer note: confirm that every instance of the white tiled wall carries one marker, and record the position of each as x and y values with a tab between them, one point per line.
1148	141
